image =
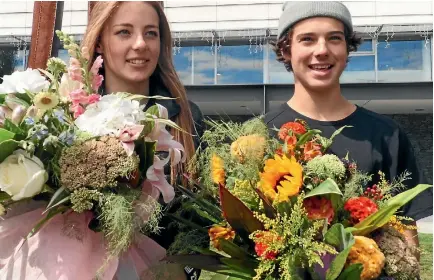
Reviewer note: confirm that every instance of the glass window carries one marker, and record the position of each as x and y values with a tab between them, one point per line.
239	65
12	59
277	73
359	69
203	60
404	61
63	55
182	59
365	46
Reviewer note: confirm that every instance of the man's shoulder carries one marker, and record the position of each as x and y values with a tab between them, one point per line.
378	121
277	116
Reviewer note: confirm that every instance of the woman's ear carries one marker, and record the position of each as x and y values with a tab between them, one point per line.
99	48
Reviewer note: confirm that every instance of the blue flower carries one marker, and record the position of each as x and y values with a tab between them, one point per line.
29	121
67	137
60	115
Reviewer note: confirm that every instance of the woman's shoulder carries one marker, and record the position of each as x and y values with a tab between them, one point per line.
195	111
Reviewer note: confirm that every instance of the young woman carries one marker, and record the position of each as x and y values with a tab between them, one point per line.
135	42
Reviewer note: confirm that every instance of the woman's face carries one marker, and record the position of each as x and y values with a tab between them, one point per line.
130	44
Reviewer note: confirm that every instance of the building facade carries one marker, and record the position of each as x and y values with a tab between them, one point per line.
222	54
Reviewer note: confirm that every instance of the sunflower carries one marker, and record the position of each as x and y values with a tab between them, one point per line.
217	170
46	100
282	178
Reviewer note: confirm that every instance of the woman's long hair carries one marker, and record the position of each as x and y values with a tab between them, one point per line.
164	73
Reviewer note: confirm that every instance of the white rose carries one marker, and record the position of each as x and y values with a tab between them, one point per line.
19	81
22	176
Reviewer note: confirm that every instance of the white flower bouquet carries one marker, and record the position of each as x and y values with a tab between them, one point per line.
82	153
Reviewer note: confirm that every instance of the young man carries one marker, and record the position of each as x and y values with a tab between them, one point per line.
314	40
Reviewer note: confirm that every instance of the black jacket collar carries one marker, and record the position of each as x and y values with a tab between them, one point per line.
172	107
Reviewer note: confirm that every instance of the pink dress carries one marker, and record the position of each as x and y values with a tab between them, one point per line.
66	249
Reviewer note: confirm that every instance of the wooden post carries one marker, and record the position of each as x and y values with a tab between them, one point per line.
44	17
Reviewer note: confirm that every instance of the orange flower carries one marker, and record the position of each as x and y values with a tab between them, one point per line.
311	150
282	178
291	128
360	208
217	232
319	208
263	240
217	170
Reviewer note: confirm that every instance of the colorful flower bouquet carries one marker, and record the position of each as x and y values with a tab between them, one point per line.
289	210
63	143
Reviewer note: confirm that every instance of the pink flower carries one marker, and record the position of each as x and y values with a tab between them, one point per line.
77	110
128	136
74	70
156	178
164	139
97	82
96	65
93	98
79	96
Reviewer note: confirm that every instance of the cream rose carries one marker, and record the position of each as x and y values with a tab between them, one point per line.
22	176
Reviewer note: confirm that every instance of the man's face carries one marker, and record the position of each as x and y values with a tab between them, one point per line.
318	52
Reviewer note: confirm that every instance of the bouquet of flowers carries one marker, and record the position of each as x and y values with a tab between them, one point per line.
63	143
289	210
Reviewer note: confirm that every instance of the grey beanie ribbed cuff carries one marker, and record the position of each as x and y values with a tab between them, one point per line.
295	11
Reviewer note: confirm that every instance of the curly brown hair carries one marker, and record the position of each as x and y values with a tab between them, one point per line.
284	45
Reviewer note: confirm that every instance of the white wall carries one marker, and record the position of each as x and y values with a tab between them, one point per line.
225	14
16	16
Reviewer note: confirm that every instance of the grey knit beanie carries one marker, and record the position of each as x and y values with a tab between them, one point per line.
295	11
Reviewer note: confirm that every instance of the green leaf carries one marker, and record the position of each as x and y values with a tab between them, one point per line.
245	266
336	133
4	196
146	152
233	250
10	126
382	216
307	136
327	187
17	98
224	277
58	198
6	135
240	218
49	216
330	189
342	240
48	74
270	212
7	147
352	272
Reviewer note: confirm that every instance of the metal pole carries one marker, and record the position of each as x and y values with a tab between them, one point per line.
57	26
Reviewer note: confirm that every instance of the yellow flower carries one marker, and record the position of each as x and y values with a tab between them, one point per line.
217	232
217	170
46	100
249	146
366	252
396	223
282	178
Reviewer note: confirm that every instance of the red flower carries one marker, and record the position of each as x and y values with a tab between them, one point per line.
311	150
262	243
360	208
261	250
319	208
291	128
